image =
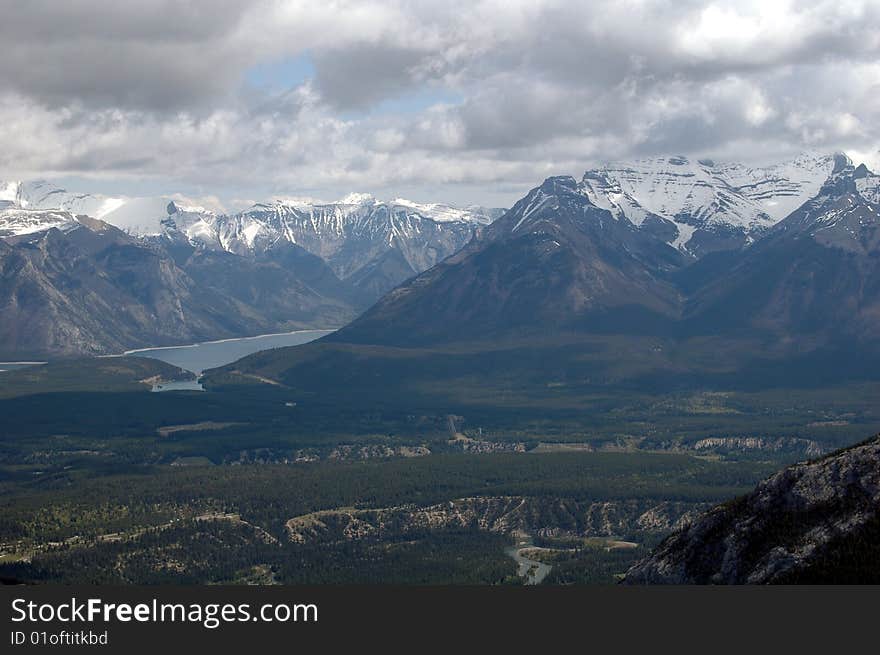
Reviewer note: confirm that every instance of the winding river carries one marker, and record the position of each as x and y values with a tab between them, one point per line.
532	571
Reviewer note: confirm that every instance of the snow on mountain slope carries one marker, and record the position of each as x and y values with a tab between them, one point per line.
355	230
816	273
696	206
375	244
350	234
606	192
782	188
867	184
845	214
19	222
28	207
43	195
446	213
8	193
553	262
158	216
712	206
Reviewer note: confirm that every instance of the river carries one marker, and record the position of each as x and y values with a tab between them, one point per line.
531	570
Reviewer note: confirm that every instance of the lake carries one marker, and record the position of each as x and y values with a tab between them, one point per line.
199	357
14	366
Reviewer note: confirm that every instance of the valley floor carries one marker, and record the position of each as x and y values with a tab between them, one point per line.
104	482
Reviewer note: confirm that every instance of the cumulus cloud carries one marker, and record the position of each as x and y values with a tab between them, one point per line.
160	89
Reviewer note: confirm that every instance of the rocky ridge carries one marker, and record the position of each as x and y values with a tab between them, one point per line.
813	522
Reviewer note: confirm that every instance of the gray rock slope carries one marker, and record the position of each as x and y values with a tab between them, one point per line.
816	522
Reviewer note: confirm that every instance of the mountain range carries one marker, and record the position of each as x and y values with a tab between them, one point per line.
780	259
558	262
374	245
554	260
86	287
654	277
560	291
815	276
152	271
703	206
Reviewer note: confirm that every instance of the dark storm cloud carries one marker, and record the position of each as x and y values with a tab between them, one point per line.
150	54
358	77
155	20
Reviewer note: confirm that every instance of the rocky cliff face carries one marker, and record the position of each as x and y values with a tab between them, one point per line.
815	522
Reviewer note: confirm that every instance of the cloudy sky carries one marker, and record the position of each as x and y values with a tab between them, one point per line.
473	101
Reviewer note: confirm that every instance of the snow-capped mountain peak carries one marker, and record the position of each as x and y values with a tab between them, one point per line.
845	214
353	235
15	221
40	195
867	184
697	206
355	230
357	199
711	205
605	192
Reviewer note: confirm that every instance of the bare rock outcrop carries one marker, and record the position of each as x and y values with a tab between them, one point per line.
814	522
